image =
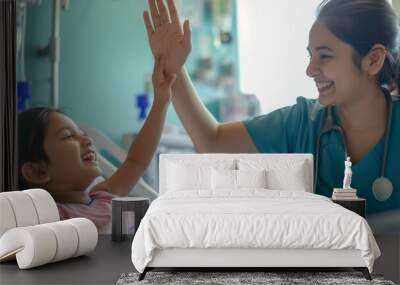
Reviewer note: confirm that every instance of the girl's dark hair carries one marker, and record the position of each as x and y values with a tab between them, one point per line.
363	23
32	126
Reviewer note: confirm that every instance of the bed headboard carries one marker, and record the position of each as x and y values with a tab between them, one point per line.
217	159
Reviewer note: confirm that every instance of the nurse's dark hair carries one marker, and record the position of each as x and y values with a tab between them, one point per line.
362	24
32	126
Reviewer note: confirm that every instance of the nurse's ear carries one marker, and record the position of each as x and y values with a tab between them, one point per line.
374	61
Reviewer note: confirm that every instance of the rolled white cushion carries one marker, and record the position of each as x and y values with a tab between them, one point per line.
33	246
40	244
45	205
7	218
67	240
87	234
23	208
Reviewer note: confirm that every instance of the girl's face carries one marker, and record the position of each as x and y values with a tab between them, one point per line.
338	80
72	159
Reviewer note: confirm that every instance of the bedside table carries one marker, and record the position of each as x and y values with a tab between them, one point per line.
356	205
121	205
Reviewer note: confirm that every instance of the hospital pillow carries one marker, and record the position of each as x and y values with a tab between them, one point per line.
183	177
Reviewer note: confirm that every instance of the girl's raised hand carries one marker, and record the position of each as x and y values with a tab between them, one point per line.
166	36
162	81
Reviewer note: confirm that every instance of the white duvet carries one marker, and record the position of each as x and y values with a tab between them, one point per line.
253	218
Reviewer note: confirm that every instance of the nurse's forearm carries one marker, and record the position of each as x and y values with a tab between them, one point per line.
197	120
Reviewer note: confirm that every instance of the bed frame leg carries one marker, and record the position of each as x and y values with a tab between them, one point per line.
364	271
143	274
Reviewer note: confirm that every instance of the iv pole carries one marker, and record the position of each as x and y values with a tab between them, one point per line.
53	50
55	55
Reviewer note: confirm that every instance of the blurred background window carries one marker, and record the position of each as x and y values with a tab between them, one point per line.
272	41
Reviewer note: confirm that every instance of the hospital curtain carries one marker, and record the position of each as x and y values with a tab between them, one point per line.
8	98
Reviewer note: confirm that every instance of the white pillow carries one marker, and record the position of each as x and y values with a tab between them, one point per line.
282	174
223	179
222	163
288	178
188	177
251	178
236	179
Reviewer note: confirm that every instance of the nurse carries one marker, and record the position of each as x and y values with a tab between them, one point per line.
354	61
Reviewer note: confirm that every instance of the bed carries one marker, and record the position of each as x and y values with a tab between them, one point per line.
246	211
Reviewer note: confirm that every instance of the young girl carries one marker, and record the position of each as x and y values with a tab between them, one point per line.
355	62
54	154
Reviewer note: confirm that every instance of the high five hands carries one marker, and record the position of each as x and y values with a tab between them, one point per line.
166	37
162	81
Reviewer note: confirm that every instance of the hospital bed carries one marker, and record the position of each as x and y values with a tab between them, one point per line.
106	147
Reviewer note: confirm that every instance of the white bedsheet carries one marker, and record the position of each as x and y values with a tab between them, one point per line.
251	218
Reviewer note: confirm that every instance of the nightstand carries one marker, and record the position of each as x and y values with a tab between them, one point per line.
356	205
123	205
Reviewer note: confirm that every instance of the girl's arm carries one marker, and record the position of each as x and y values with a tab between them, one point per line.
168	38
143	147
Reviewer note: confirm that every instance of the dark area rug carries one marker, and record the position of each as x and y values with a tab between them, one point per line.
230	278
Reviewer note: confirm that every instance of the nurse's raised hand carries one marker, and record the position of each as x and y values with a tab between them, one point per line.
166	36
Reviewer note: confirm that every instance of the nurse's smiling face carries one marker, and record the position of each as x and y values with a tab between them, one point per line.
338	79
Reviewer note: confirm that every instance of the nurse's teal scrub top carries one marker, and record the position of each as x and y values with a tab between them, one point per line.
294	129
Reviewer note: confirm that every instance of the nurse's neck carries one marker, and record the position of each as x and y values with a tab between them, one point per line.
365	113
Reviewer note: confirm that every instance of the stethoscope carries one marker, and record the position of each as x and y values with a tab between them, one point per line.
382	187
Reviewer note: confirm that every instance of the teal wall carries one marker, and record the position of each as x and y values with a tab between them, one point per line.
396	5
105	59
